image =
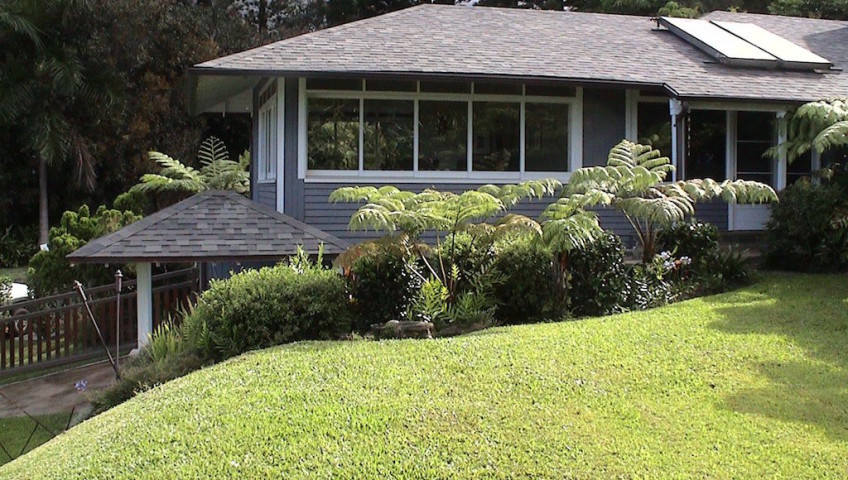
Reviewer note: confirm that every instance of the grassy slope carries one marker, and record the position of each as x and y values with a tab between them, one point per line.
747	384
15	431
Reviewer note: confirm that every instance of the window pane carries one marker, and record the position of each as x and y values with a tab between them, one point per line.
333	84
333	134
550	90
707	140
755	134
442	136
653	126
388	134
546	137
497	88
496	137
799	168
445	87
390	86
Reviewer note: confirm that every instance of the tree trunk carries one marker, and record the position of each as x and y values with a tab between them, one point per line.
263	16
43	220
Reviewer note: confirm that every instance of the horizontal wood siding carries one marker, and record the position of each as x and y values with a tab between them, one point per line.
713	212
334	218
266	194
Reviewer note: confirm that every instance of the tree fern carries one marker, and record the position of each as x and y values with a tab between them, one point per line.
633	182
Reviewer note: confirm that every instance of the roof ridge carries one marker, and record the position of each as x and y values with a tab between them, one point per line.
107	241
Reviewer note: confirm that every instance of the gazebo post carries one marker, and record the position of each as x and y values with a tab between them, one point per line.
144	297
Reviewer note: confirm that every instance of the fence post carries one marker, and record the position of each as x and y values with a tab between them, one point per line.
144	299
119	277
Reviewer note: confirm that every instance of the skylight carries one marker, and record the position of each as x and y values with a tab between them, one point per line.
744	44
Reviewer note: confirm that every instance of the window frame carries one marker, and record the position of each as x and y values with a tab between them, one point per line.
269	146
575	136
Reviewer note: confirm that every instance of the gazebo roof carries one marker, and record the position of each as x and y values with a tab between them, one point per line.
210	226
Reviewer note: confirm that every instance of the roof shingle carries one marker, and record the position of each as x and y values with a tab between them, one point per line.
210	226
439	40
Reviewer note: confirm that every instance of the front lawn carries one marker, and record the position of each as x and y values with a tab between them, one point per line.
752	383
22	434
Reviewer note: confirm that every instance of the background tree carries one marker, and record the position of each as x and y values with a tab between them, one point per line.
46	85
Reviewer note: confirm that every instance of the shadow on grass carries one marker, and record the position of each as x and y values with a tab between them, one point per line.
811	313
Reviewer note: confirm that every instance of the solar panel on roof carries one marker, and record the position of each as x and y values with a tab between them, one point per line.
789	55
719	43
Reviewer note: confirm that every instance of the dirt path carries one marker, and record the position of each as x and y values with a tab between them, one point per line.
53	393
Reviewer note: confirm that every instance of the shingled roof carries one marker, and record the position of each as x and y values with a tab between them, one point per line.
209	226
584	48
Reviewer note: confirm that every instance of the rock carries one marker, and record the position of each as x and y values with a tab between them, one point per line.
405	329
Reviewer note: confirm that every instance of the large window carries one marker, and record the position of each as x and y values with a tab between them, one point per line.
388	134
333	134
497	137
439	129
546	137
755	133
442	135
706	152
653	126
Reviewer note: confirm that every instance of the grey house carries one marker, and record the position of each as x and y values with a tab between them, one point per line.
455	97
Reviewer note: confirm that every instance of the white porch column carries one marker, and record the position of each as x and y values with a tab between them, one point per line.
782	167
144	299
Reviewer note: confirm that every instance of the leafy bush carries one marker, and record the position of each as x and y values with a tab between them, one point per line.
141	373
808	229
381	282
598	277
17	245
526	293
292	301
693	239
50	272
5	289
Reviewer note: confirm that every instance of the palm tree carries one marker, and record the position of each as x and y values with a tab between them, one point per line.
45	83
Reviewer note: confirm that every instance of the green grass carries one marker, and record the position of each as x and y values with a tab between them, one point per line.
15	431
17	274
749	384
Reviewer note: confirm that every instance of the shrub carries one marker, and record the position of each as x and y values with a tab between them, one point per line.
807	230
292	301
50	272
381	283
598	277
526	291
693	239
17	245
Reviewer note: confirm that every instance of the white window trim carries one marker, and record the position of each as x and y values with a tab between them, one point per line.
575	137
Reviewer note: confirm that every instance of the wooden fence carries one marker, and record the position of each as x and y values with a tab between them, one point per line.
54	330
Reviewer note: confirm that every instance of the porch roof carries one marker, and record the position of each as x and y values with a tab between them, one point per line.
210	226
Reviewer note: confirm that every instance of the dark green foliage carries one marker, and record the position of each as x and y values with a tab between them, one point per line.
140	374
598	277
644	289
381	284
17	245
805	232
50	272
526	291
273	305
693	239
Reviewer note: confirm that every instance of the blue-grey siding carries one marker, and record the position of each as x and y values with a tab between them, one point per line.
604	113
265	193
